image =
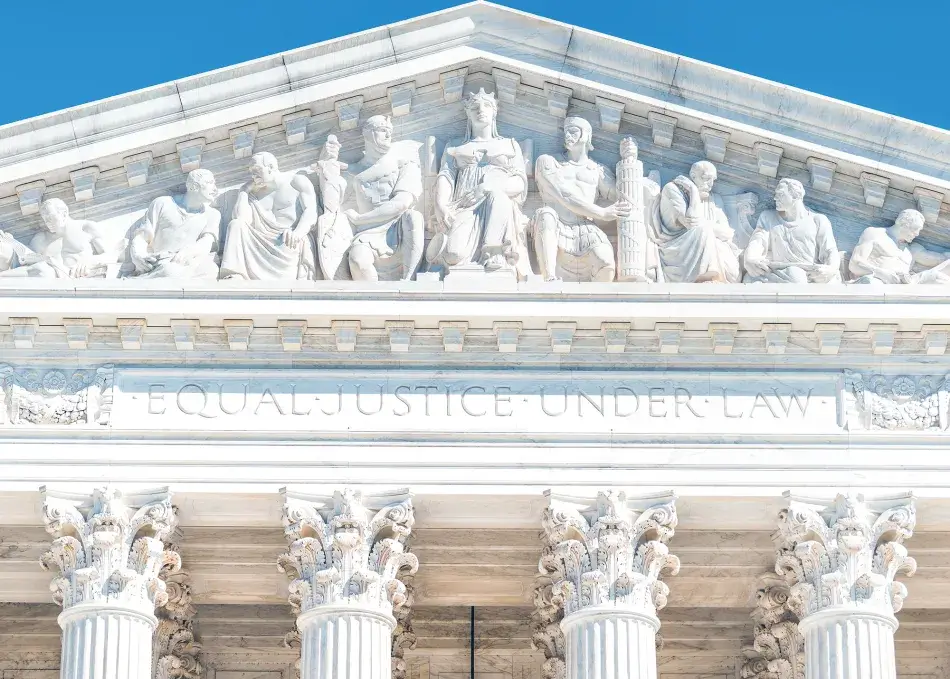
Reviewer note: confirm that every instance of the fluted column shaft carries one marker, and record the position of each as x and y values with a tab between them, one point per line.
341	642
609	643
841	643
106	642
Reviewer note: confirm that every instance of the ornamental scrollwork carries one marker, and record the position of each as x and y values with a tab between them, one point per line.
778	648
176	648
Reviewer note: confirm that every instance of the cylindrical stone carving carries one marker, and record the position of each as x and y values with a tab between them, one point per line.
102	642
631	230
336	643
610	644
841	643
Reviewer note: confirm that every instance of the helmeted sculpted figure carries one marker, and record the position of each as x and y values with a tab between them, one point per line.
792	244
889	255
178	236
692	231
269	237
384	236
481	186
66	248
568	242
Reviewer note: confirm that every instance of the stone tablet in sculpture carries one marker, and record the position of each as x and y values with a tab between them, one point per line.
889	255
269	237
178	236
481	187
792	244
692	231
383	237
568	242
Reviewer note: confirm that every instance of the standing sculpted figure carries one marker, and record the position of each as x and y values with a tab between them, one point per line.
888	255
178	236
269	235
481	186
692	231
384	236
792	244
568	242
65	248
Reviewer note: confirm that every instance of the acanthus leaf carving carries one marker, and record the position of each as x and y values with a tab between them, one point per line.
176	649
778	648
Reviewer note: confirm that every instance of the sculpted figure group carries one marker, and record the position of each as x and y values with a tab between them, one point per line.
291	226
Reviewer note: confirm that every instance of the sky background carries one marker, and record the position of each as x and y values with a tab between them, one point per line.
894	57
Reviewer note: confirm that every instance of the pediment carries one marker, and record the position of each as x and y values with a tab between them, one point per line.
109	159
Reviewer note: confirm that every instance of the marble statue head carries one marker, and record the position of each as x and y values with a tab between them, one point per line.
481	108
703	174
788	193
201	183
55	215
378	133
578	131
264	169
908	225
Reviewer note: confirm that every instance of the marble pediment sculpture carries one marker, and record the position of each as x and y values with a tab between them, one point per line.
891	256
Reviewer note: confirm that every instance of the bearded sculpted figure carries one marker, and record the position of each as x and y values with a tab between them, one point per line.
692	231
481	186
569	243
889	255
269	237
178	236
65	248
792	244
383	237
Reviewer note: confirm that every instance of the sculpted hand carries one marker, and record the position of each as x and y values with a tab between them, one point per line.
618	210
292	239
758	267
78	271
824	273
353	217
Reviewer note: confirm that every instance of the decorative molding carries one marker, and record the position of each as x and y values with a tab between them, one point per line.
84	182
400	335
347	549
547	635
829	337
295	126
239	333
77	332
291	334
928	202
882	336
662	127
184	331
109	547
345	333
562	336
610	112
778	648
136	168
30	196
609	550
776	337
506	85
242	140
767	158
453	84
669	336
559	99
714	143
822	173
56	397
723	336
846	552
875	188
615	336
400	98
453	335
507	334
935	339
904	402
348	112
189	154
131	331
24	332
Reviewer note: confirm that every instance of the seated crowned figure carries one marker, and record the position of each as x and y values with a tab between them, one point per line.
889	255
568	242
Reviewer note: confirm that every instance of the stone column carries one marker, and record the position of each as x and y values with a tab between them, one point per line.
603	558
346	553
840	559
109	550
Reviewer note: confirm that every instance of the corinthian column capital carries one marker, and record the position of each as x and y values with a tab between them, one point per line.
778	648
109	547
845	553
609	550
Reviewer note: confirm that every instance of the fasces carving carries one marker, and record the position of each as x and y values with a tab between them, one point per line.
918	402
637	255
792	244
65	248
178	236
609	552
347	549
383	238
778	648
569	243
109	548
481	186
269	236
845	553
890	255
55	397
692	231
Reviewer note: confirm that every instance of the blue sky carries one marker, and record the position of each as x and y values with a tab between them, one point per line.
884	55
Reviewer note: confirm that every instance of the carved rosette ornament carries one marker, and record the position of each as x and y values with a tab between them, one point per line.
56	397
109	550
777	651
605	560
920	402
840	560
176	649
346	554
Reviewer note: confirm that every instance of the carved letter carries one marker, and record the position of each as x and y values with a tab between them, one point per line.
725	405
503	399
544	408
273	401
636	401
339	402
581	397
221	400
678	400
360	407
156	398
465	408
293	401
401	399
654	400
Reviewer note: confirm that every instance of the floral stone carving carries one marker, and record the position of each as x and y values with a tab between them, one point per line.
56	397
904	402
176	649
778	650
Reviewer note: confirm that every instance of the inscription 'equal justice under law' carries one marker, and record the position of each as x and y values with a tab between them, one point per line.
213	400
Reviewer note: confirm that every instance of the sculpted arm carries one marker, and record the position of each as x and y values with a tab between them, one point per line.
756	252
308	201
927	258
862	262
143	237
105	251
554	190
407	190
